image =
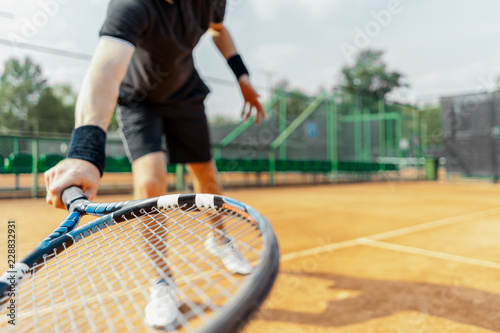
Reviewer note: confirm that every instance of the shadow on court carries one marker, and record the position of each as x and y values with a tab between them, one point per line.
381	298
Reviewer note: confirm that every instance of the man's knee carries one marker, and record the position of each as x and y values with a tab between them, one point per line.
204	172
205	177
203	168
150	186
150	175
210	185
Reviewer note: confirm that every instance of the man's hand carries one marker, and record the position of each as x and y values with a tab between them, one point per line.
224	42
251	100
71	172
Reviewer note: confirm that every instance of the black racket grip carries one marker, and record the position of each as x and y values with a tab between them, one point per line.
71	194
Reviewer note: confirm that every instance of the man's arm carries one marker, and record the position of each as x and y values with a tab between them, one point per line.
94	106
99	93
225	44
223	40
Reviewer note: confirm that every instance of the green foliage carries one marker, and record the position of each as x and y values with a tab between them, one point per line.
54	111
370	77
296	101
349	102
28	104
21	86
113	124
431	115
221	120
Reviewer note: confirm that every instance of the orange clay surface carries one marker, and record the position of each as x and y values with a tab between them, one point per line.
378	257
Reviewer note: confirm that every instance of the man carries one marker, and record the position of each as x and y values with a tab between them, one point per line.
144	61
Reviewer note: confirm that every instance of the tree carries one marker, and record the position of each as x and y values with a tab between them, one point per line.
29	104
431	115
21	86
54	111
370	77
221	120
296	100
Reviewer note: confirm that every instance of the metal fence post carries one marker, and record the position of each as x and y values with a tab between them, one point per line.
282	124
381	131
34	153
493	141
272	167
179	177
357	128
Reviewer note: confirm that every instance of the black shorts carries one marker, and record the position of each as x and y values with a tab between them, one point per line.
182	133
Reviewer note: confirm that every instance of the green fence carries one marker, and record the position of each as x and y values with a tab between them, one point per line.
340	136
345	135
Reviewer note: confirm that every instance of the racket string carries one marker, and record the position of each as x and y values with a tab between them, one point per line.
101	283
199	292
118	278
66	299
80	292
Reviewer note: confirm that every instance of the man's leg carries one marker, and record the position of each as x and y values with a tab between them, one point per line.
150	181
204	177
150	175
205	181
142	132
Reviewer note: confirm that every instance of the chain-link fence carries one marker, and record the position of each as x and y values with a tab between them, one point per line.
470	134
333	137
357	137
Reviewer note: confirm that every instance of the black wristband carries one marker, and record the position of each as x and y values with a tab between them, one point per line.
237	66
89	143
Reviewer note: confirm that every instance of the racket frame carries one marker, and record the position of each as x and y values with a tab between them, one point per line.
232	317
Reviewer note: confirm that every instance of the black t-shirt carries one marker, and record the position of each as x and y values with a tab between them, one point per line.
162	70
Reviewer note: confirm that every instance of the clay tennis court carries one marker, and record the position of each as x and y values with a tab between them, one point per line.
377	257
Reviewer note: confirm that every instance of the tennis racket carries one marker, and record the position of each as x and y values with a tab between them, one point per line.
96	277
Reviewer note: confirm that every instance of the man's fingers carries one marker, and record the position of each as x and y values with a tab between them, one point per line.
247	110
67	173
261	114
49	176
59	179
244	112
48	181
56	192
257	119
257	115
252	100
260	110
91	193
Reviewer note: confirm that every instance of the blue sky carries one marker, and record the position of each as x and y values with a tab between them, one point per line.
444	47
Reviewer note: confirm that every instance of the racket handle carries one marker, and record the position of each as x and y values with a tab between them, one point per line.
71	194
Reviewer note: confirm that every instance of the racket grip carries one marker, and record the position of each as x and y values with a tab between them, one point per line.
71	194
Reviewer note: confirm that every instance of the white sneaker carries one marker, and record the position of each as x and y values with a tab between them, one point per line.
163	307
231	257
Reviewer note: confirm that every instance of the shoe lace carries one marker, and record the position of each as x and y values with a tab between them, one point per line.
234	252
163	294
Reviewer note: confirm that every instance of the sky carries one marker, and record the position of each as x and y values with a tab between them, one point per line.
443	47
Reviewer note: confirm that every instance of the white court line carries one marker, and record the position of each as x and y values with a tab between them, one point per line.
321	249
389	234
434	224
433	254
